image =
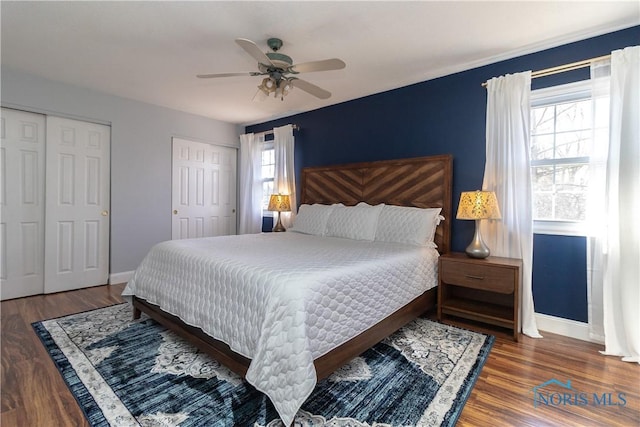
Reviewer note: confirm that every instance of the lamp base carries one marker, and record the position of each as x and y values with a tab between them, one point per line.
473	252
279	227
477	248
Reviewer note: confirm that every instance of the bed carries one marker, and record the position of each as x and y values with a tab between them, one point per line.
284	318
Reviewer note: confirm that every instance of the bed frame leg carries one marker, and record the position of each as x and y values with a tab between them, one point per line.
136	313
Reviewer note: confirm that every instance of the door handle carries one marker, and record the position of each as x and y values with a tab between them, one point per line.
105	213
175	211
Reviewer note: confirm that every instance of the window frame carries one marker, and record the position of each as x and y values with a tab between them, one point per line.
571	92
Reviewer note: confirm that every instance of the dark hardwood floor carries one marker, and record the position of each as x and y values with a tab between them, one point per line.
34	394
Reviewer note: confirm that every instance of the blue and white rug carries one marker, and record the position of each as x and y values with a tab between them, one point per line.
136	373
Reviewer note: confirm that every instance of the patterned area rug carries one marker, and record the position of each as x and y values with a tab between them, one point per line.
125	372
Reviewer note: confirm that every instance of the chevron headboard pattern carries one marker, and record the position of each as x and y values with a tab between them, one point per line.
423	182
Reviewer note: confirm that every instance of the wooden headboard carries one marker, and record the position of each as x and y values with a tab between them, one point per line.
423	182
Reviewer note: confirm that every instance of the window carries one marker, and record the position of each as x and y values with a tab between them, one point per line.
562	131
268	172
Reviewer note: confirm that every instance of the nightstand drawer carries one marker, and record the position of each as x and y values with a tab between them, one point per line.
485	277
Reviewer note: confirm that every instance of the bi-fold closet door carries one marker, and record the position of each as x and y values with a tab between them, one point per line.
54	190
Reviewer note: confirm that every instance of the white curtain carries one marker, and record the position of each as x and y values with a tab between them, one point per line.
284	180
619	253
507	172
596	213
250	184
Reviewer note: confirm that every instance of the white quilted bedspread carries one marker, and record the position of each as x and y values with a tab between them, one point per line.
283	299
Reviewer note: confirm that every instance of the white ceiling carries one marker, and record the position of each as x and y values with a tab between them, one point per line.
151	51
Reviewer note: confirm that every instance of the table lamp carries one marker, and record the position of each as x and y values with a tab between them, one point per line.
478	205
279	203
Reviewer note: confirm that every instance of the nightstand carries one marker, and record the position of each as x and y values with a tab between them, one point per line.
484	290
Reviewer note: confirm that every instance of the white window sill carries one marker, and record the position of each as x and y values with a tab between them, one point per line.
560	228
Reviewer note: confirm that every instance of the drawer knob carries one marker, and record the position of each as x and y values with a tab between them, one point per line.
469	276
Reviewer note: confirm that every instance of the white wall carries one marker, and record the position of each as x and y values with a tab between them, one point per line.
140	154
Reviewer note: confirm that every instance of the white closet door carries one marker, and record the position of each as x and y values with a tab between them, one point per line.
22	201
77	205
203	190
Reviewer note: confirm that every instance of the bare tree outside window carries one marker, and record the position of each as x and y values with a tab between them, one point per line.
560	142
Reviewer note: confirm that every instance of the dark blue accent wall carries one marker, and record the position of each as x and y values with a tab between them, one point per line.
560	276
447	115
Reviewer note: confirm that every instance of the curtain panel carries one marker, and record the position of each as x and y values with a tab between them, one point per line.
621	266
250	215
596	212
284	180
507	173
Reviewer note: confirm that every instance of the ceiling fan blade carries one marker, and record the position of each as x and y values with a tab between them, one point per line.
210	76
252	49
310	88
324	65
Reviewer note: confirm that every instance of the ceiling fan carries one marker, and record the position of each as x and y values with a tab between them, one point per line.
279	67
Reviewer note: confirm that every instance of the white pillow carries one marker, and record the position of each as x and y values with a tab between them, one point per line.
414	226
312	219
354	222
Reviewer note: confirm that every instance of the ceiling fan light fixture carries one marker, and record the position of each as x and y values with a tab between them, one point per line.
284	87
268	85
280	87
287	87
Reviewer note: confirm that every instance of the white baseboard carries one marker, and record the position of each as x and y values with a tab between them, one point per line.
565	327
123	277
